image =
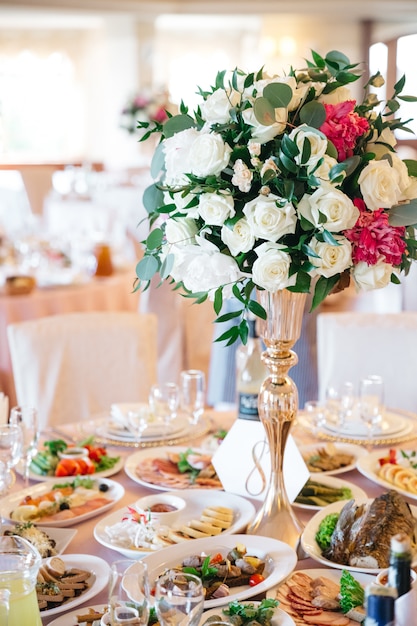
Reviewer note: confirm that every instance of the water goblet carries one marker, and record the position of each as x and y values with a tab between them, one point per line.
371	402
11	442
316	413
179	599
27	418
164	401
192	393
129	594
137	422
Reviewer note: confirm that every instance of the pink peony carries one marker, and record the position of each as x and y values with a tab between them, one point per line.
343	126
373	238
160	115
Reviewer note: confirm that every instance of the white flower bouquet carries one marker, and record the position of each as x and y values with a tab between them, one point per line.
280	182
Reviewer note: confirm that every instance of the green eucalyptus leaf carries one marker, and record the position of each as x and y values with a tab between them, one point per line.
331	149
278	94
154	239
158	161
404	214
264	111
313	114
147	267
411	167
178	123
167	265
337	59
152	198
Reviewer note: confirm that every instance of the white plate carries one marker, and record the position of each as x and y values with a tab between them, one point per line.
279	617
348	448
159	452
280	561
368	466
70	619
337	483
310	545
100	571
391	424
113	427
104	474
61	536
196	501
11	501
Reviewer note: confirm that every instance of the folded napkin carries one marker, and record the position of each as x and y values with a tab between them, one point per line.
406	608
4	408
119	411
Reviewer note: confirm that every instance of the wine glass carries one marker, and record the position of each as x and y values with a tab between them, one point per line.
316	413
129	594
137	422
192	393
371	402
340	401
179	599
164	401
27	418
11	442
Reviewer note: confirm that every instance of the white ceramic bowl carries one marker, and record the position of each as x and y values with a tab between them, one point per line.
382	578
73	452
163	507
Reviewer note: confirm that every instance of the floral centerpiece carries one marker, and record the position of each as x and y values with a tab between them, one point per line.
281	182
143	108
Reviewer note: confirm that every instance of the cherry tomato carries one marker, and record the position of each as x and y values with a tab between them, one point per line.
255	579
67	467
216	558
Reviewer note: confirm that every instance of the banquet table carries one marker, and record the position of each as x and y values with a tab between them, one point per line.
113	293
84	542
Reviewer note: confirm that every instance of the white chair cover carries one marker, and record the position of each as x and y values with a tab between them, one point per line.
352	345
75	365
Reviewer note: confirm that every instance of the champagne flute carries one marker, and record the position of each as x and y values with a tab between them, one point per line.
11	442
164	401
27	418
179	599
371	402
129	594
192	393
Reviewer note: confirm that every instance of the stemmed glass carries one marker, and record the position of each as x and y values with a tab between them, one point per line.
192	393
340	402
179	599
164	401
129	594
11	442
27	418
137	422
371	402
316	412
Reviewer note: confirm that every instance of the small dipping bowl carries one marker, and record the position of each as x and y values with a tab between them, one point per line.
164	508
382	577
73	452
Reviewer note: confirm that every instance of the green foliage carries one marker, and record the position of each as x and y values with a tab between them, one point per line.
352	593
325	530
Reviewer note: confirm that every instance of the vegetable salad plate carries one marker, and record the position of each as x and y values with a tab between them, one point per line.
331	458
74	504
279	617
397	473
156	470
99	578
104	474
280	560
311	547
196	502
330	485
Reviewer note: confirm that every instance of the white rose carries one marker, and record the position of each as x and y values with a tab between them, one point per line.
254	148
208	155
318	143
368	277
206	271
239	238
268	220
181	202
376	145
268	165
401	171
242	177
216	108
216	208
299	90
263	133
177	156
379	185
410	192
341	94
323	170
271	269
180	230
333	259
333	204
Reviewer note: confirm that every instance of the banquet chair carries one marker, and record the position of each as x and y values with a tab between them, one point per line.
352	345
73	366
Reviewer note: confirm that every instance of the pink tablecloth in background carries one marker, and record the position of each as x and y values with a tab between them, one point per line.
100	294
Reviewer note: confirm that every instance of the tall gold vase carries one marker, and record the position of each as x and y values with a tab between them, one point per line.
278	404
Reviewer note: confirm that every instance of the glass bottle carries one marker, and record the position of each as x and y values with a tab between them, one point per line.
380	605
399	571
250	374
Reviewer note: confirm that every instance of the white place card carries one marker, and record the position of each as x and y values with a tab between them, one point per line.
243	462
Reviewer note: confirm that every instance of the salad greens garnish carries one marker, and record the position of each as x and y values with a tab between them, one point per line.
207	571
